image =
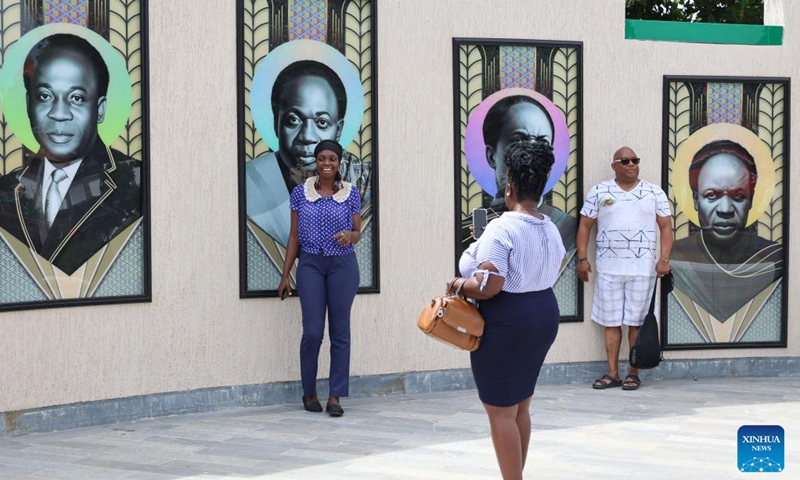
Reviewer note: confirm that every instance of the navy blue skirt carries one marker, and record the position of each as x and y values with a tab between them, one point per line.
520	328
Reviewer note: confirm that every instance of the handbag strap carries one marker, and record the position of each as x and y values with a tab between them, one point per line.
458	290
653	300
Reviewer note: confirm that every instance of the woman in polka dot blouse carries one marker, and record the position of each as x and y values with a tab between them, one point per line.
326	223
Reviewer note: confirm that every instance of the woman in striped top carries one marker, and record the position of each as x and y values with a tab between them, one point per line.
510	270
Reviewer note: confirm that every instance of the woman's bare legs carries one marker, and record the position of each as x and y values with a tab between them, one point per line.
511	435
524	426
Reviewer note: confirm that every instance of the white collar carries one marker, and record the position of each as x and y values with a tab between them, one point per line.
312	195
70	169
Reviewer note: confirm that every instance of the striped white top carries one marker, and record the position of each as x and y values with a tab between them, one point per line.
526	251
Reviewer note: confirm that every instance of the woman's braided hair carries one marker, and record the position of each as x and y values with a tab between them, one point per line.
528	166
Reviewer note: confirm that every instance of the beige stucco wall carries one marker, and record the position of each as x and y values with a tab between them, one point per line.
197	333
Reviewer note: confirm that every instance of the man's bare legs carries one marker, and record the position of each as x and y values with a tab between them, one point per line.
631	383
632	333
613	340
613	344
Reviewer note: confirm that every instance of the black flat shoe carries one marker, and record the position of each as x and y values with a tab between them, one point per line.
311	404
334	410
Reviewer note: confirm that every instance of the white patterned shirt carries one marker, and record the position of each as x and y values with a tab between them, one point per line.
627	231
526	251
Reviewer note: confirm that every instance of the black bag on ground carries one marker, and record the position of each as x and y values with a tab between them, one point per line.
646	351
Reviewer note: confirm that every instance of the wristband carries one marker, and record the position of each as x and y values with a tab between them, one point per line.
582	259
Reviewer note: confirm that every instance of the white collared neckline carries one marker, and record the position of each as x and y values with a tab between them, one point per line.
70	169
312	195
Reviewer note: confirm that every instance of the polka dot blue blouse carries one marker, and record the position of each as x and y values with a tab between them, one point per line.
320	218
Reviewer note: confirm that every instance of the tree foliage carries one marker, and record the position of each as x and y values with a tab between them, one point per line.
708	11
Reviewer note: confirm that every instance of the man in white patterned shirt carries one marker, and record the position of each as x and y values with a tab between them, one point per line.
630	214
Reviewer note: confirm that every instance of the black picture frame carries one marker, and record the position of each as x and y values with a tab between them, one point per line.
557	86
263	25
702	112
122	274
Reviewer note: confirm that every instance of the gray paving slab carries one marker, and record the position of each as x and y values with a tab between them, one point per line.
668	429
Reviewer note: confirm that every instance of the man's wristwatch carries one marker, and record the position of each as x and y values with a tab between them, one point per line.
582	259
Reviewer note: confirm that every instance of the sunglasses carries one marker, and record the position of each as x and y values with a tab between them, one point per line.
628	161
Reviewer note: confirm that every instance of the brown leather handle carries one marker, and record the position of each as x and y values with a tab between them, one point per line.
450	287
458	292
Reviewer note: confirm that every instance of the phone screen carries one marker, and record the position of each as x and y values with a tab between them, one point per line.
478	221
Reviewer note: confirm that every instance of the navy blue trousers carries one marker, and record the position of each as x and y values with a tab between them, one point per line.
326	283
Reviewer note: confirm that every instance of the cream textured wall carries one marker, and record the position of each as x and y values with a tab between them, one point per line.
197	333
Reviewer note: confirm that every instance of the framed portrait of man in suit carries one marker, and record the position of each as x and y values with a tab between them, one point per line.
510	91
306	74
73	207
726	151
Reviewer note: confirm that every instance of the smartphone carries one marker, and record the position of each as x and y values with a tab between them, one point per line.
284	295
478	222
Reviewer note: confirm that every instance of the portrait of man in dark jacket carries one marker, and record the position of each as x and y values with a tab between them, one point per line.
75	194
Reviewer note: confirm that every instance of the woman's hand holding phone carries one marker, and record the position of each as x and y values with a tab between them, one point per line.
478	222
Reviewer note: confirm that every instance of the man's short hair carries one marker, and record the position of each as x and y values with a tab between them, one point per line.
715	148
493	123
53	46
309	68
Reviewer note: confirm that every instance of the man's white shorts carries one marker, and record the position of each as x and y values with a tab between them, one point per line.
621	299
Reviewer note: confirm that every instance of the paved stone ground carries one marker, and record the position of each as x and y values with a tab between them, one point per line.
669	429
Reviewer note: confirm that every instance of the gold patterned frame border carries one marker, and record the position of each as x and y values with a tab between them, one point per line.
771	114
564	82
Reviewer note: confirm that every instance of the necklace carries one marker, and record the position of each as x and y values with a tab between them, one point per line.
627	189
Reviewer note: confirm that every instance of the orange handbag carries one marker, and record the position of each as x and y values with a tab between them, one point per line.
453	321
